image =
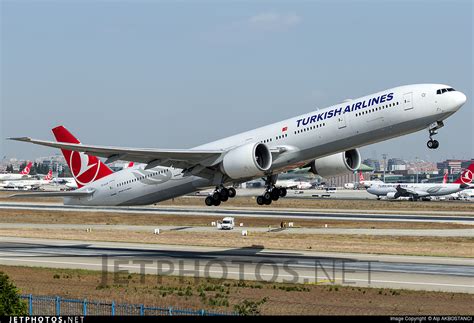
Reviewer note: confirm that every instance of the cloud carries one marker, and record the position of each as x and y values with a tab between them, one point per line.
252	29
274	21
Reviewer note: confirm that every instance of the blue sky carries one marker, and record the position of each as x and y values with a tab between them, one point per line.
178	74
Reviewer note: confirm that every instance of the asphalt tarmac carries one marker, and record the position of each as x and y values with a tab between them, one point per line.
306	267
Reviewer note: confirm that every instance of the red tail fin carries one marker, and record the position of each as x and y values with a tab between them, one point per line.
85	168
27	169
130	164
445	178
49	176
466	175
361	177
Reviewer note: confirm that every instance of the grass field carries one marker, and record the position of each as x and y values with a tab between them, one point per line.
75	217
212	294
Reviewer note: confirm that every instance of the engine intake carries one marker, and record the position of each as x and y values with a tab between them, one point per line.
338	164
246	161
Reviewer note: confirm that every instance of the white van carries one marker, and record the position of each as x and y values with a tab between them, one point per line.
227	223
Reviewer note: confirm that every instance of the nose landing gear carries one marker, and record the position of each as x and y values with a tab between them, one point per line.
433	130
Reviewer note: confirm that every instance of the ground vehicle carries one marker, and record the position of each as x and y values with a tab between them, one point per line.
331	189
227	223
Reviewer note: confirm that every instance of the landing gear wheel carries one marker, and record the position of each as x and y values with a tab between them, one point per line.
432	144
260	200
232	192
275	193
267	201
282	192
224	193
216	195
217	202
267	196
209	201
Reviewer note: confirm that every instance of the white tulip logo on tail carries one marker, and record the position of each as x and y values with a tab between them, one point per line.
84	168
467	176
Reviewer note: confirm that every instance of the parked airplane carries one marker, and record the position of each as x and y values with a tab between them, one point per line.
28	184
22	175
365	183
423	190
325	140
294	184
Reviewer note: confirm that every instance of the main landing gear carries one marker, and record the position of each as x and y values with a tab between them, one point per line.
433	130
220	194
271	193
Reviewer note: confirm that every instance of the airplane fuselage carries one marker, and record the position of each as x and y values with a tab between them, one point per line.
421	189
370	119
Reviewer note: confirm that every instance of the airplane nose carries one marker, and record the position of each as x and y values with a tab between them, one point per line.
459	99
455	101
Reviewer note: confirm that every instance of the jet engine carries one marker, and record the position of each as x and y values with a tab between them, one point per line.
246	161
393	195
337	164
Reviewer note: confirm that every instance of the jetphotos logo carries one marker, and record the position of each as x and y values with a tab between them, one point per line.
467	176
84	168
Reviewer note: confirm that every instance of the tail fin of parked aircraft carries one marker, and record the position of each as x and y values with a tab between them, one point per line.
445	178
85	168
49	176
361	177
27	169
466	175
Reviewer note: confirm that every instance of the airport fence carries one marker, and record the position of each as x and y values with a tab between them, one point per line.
55	305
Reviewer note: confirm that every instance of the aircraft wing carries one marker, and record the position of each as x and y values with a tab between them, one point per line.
180	158
410	192
55	194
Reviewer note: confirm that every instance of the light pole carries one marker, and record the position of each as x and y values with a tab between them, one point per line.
384	156
416	168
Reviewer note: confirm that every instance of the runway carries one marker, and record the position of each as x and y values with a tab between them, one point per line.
354	215
407	272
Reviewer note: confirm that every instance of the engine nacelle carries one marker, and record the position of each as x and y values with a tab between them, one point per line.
247	161
338	164
392	195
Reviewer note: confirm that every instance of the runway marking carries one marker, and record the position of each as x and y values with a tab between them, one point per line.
239	273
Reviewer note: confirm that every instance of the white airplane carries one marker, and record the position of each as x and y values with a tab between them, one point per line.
28	184
423	190
22	175
368	184
294	184
325	140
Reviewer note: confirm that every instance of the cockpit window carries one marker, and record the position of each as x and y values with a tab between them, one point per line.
441	91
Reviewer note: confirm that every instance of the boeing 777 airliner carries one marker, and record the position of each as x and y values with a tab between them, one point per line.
325	140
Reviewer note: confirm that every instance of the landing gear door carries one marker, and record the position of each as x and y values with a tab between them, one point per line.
408	101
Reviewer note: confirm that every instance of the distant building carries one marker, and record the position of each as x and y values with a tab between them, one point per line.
396	164
339	181
450	166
